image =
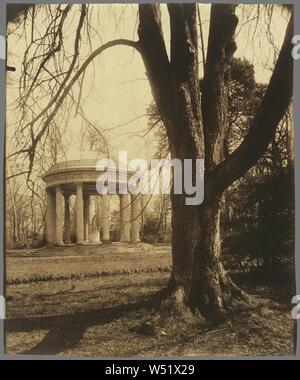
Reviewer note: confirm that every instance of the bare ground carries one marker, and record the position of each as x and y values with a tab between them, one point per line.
87	313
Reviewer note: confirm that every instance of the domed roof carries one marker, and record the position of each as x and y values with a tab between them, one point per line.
83	161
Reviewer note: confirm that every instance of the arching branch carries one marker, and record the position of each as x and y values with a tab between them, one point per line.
35	139
155	57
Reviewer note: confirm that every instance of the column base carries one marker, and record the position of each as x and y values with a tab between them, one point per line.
59	243
94	237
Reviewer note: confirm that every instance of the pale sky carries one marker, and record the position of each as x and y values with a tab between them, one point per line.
116	90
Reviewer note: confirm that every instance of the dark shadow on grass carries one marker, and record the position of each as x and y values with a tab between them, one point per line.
148	282
66	331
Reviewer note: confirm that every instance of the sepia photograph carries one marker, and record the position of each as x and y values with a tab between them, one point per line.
149	202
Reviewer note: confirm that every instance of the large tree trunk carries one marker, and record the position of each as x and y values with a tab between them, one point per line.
213	291
185	236
197	272
198	279
196	244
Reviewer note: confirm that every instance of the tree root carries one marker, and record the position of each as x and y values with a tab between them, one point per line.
229	304
172	315
173	308
217	297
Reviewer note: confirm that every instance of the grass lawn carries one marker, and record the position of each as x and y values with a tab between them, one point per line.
88	301
80	261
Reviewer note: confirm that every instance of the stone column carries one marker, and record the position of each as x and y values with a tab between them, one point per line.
94	230
50	217
67	219
79	214
105	218
58	216
86	217
125	217
135	218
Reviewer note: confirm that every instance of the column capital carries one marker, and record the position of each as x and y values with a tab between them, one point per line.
67	195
